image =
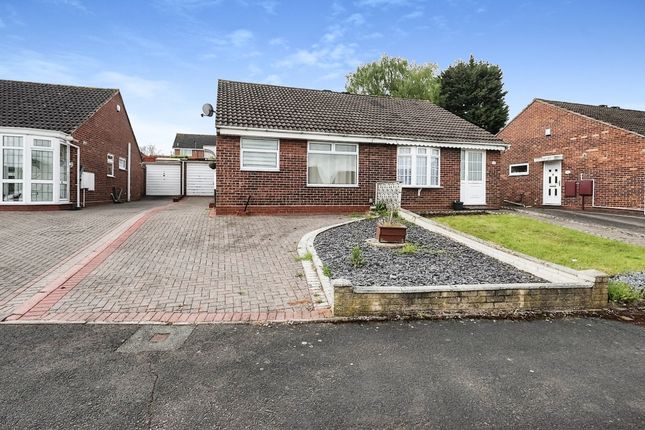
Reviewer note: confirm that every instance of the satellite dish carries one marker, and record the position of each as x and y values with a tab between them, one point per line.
207	109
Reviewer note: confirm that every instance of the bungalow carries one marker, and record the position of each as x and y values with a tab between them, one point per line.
65	145
294	150
574	156
194	146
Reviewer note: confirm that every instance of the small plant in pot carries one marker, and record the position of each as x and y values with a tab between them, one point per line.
390	230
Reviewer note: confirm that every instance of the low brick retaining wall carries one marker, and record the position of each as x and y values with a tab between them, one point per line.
350	301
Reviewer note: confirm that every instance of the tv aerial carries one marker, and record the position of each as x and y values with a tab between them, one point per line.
207	110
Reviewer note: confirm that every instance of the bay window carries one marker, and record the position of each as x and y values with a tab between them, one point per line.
260	154
418	166
33	169
332	164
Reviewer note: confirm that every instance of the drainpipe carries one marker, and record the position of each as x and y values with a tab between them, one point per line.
129	167
78	174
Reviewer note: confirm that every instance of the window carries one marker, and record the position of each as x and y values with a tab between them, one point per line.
110	165
123	163
260	154
518	169
42	171
182	152
418	166
12	168
332	164
63	160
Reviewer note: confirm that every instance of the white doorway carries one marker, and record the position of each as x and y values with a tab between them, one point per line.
552	188
473	177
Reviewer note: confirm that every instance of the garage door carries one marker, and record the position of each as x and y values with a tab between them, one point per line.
200	179
163	179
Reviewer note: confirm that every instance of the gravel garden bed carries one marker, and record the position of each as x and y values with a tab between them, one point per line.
634	279
436	260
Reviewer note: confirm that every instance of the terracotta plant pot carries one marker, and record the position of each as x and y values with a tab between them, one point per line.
391	233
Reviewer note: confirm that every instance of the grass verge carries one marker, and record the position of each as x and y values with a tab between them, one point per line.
552	243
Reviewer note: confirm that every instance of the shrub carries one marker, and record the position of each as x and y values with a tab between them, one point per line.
409	248
380	208
326	271
356	257
622	292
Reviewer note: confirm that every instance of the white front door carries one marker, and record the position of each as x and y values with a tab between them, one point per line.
473	177
552	188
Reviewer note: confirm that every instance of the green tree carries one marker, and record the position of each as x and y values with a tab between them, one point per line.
474	91
397	77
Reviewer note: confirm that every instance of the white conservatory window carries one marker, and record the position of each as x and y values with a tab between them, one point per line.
34	169
332	164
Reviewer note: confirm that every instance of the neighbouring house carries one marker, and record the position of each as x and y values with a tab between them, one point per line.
294	150
571	154
63	146
194	146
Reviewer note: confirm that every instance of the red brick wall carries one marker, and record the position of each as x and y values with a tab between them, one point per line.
614	158
108	131
288	186
196	154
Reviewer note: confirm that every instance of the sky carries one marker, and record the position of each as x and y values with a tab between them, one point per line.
166	55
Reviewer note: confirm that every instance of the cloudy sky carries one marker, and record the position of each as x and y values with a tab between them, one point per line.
166	55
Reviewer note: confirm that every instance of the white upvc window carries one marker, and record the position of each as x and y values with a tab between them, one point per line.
123	163
332	164
42	171
183	152
110	165
63	160
418	166
260	154
12	178
518	169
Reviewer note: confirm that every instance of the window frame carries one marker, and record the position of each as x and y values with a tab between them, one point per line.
271	151
110	161
413	168
23	148
34	147
125	163
333	152
510	173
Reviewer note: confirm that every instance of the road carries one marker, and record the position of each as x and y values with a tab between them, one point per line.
570	373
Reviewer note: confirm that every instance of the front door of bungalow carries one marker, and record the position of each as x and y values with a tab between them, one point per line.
551	188
473	177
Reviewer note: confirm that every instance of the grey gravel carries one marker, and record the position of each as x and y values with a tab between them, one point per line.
439	260
634	279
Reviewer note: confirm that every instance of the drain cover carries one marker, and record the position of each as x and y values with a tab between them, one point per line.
157	338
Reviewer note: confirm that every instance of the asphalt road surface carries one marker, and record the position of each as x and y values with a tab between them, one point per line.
570	374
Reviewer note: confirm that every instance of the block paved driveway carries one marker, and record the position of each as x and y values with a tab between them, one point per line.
33	243
182	265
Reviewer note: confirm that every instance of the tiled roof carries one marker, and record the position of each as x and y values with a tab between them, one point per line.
47	106
628	119
193	140
260	106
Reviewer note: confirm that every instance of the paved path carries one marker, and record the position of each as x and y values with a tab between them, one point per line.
181	265
33	244
628	228
569	374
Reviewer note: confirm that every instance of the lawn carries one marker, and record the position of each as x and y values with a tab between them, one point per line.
552	243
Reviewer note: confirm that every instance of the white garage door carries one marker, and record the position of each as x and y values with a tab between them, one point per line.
163	179
200	179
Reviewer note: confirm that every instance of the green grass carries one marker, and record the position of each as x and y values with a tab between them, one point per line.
622	292
409	248
306	257
552	243
326	271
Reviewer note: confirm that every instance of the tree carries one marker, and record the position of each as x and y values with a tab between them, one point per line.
474	91
149	149
392	76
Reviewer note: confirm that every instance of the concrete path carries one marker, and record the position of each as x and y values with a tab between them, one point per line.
568	374
628	228
38	247
181	265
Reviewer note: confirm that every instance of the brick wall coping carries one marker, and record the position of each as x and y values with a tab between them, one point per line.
464	287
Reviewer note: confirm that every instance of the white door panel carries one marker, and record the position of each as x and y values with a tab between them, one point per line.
200	179
552	186
163	179
473	177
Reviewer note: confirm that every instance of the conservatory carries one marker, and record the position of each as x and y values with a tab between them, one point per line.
36	167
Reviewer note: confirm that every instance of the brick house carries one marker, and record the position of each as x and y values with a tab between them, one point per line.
64	145
194	146
294	150
560	150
